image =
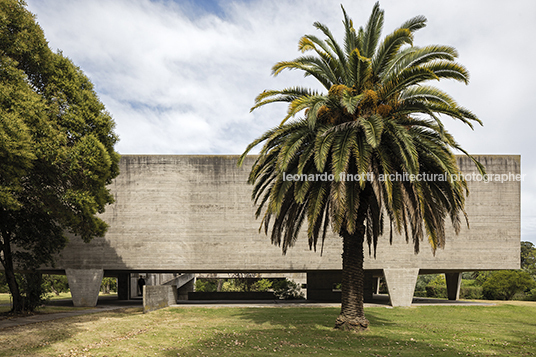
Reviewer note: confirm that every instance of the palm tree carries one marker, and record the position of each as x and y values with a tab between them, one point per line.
372	146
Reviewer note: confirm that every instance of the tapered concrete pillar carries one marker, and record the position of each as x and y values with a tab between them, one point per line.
376	285
454	281
401	285
85	285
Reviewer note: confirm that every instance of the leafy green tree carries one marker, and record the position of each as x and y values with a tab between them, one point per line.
108	285
337	165
204	285
287	289
262	285
55	284
528	258
57	149
504	284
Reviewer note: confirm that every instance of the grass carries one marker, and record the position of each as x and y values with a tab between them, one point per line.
6	298
501	330
5	301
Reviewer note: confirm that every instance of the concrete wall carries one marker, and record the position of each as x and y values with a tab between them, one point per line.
194	214
158	297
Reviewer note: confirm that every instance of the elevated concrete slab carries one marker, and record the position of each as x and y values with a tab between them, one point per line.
177	213
193	214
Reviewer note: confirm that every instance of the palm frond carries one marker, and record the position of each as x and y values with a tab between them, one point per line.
373	128
379	117
373	31
389	48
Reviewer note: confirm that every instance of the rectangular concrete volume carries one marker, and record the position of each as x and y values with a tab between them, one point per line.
194	214
158	297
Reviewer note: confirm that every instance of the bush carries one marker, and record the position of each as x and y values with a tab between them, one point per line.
423	281
504	284
436	291
471	293
287	290
466	292
262	285
205	286
531	295
31	289
420	293
108	285
55	284
3	284
231	285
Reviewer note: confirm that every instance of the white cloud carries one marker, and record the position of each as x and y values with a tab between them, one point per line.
179	79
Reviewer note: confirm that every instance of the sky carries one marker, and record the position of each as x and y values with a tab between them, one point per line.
180	77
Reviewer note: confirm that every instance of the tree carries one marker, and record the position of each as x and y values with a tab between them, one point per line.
372	146
57	149
504	284
528	258
55	284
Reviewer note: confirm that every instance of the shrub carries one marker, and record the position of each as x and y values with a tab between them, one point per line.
108	285
3	284
439	280
287	289
262	285
466	292
205	286
232	285
504	284
423	281
420	293
531	295
436	291
32	291
471	293
55	284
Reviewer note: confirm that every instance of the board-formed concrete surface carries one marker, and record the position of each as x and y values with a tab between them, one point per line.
194	214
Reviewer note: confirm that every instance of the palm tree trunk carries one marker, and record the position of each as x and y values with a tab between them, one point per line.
352	316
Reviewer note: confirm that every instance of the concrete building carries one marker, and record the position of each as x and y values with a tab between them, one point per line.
194	214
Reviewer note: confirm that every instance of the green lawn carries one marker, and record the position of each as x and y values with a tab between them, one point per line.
502	330
5	300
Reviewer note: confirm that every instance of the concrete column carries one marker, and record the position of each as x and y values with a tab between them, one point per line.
401	285
454	281
123	286
134	290
85	285
376	285
320	285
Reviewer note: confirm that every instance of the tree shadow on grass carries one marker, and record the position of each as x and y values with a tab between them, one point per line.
293	317
33	339
296	331
398	332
